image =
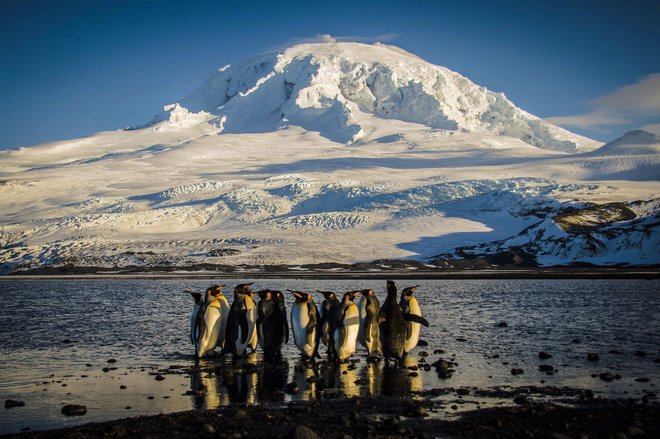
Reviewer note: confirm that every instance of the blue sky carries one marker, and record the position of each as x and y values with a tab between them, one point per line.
71	68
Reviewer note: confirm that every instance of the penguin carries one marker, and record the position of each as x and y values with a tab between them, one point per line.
270	324
410	306
328	308
241	321
216	291
304	324
393	326
206	328
346	325
369	332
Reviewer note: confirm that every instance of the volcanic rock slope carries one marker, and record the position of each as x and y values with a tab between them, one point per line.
331	152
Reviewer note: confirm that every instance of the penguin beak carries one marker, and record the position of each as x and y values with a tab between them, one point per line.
298	294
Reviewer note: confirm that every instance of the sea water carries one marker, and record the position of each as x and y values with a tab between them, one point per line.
100	342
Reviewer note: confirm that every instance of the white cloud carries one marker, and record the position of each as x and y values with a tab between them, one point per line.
641	99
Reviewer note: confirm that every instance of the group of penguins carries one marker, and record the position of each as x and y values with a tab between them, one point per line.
389	331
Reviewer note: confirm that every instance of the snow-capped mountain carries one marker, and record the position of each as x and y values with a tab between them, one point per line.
344	90
335	152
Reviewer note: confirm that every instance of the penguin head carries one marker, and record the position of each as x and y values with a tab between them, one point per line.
243	289
391	287
216	290
349	296
367	292
408	292
300	296
329	295
197	297
265	294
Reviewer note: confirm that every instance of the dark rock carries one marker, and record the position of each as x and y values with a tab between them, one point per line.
462	392
11	403
642	380
502	325
159	377
74	410
520	399
588	394
547	368
576	341
516	371
592	356
607	376
422	343
302	432
291	388
66	341
461	339
122	387
640	354
544	355
112	361
438	351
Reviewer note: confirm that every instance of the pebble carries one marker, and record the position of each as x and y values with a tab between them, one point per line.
74	410
607	376
642	380
546	368
592	356
302	432
423	354
208	428
544	355
502	325
122	387
422	343
11	403
463	392
576	341
159	377
516	371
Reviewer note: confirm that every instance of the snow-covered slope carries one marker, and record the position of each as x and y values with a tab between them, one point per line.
321	153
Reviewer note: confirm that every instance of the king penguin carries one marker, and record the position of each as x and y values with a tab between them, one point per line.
328	308
410	307
304	324
270	324
369	332
346	325
241	322
206	328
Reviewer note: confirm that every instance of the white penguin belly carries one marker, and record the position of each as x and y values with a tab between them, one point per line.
224	316
209	338
252	325
299	322
413	338
351	326
362	313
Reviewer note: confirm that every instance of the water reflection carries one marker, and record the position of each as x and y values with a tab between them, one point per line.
252	380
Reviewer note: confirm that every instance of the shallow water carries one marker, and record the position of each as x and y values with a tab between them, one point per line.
56	336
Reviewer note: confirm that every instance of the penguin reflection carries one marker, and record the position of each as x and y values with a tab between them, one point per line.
241	380
347	376
207	390
306	377
399	380
273	377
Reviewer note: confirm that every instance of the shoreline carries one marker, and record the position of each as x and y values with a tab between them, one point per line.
332	273
386	416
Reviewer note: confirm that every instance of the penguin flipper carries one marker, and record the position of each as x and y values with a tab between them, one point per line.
242	320
286	326
382	316
417	319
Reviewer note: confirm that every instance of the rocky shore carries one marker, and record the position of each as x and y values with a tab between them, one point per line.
414	416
